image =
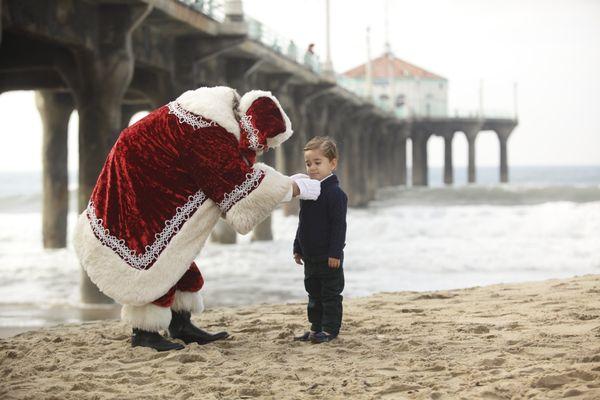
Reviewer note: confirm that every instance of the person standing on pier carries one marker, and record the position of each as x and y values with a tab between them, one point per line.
165	184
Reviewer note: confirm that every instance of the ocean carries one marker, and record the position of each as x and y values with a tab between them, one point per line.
544	224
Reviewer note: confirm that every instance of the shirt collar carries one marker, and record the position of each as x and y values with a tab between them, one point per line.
330	175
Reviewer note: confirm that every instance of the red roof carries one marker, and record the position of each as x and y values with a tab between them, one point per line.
400	68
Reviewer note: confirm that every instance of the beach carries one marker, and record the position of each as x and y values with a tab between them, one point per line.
506	341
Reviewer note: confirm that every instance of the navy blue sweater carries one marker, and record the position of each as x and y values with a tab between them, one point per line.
322	227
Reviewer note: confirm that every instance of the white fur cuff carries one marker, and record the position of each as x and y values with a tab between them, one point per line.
188	301
254	208
149	317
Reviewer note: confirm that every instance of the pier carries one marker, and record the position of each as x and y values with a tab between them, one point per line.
109	60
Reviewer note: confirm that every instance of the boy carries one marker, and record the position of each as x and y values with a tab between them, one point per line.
320	240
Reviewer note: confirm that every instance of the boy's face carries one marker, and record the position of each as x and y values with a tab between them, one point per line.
317	165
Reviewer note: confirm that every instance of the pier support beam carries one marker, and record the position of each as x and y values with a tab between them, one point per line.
98	80
398	169
339	126
55	109
291	150
387	150
503	135
420	168
128	111
381	154
471	135
0	21
360	158
400	165
448	167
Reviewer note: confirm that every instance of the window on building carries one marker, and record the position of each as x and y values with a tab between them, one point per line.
400	100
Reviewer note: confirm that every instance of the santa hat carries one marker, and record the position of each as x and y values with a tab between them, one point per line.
263	121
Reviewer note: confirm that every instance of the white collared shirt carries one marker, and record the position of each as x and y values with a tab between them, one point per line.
326	177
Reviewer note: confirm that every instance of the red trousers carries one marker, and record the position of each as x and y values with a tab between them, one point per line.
191	281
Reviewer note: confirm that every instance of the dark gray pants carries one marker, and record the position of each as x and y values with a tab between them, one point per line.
324	286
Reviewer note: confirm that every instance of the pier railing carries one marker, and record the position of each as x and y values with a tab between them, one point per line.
286	47
214	9
260	32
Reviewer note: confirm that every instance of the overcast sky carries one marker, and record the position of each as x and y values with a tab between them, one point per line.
550	48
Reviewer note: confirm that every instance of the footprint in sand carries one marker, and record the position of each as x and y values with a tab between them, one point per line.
591	359
477	329
493	362
186	358
435	296
492	396
556	381
412	310
583	375
584	317
248	392
573	393
391	391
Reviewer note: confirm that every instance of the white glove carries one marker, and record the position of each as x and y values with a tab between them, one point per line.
295	177
310	189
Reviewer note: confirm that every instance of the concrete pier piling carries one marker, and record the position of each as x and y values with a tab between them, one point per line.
420	169
448	167
471	171
55	109
503	135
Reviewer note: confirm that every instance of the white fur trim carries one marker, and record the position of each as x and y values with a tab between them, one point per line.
249	98
128	285
214	103
242	190
252	209
149	317
188	301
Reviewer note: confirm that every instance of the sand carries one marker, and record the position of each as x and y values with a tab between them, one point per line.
533	340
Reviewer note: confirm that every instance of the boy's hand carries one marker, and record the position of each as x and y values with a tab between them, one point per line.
298	258
333	262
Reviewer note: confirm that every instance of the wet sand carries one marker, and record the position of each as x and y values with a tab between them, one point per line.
516	341
18	318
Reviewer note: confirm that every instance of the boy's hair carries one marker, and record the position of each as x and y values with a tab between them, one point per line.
325	144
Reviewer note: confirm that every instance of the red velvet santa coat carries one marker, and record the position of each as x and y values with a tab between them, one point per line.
164	185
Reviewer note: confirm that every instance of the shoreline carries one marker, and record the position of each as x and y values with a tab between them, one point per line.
33	318
536	339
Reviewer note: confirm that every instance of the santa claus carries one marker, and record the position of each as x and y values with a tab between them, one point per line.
165	184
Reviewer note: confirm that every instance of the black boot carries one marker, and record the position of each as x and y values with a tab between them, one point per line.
154	340
181	327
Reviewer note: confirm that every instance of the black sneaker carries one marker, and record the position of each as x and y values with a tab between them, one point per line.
305	337
322	337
